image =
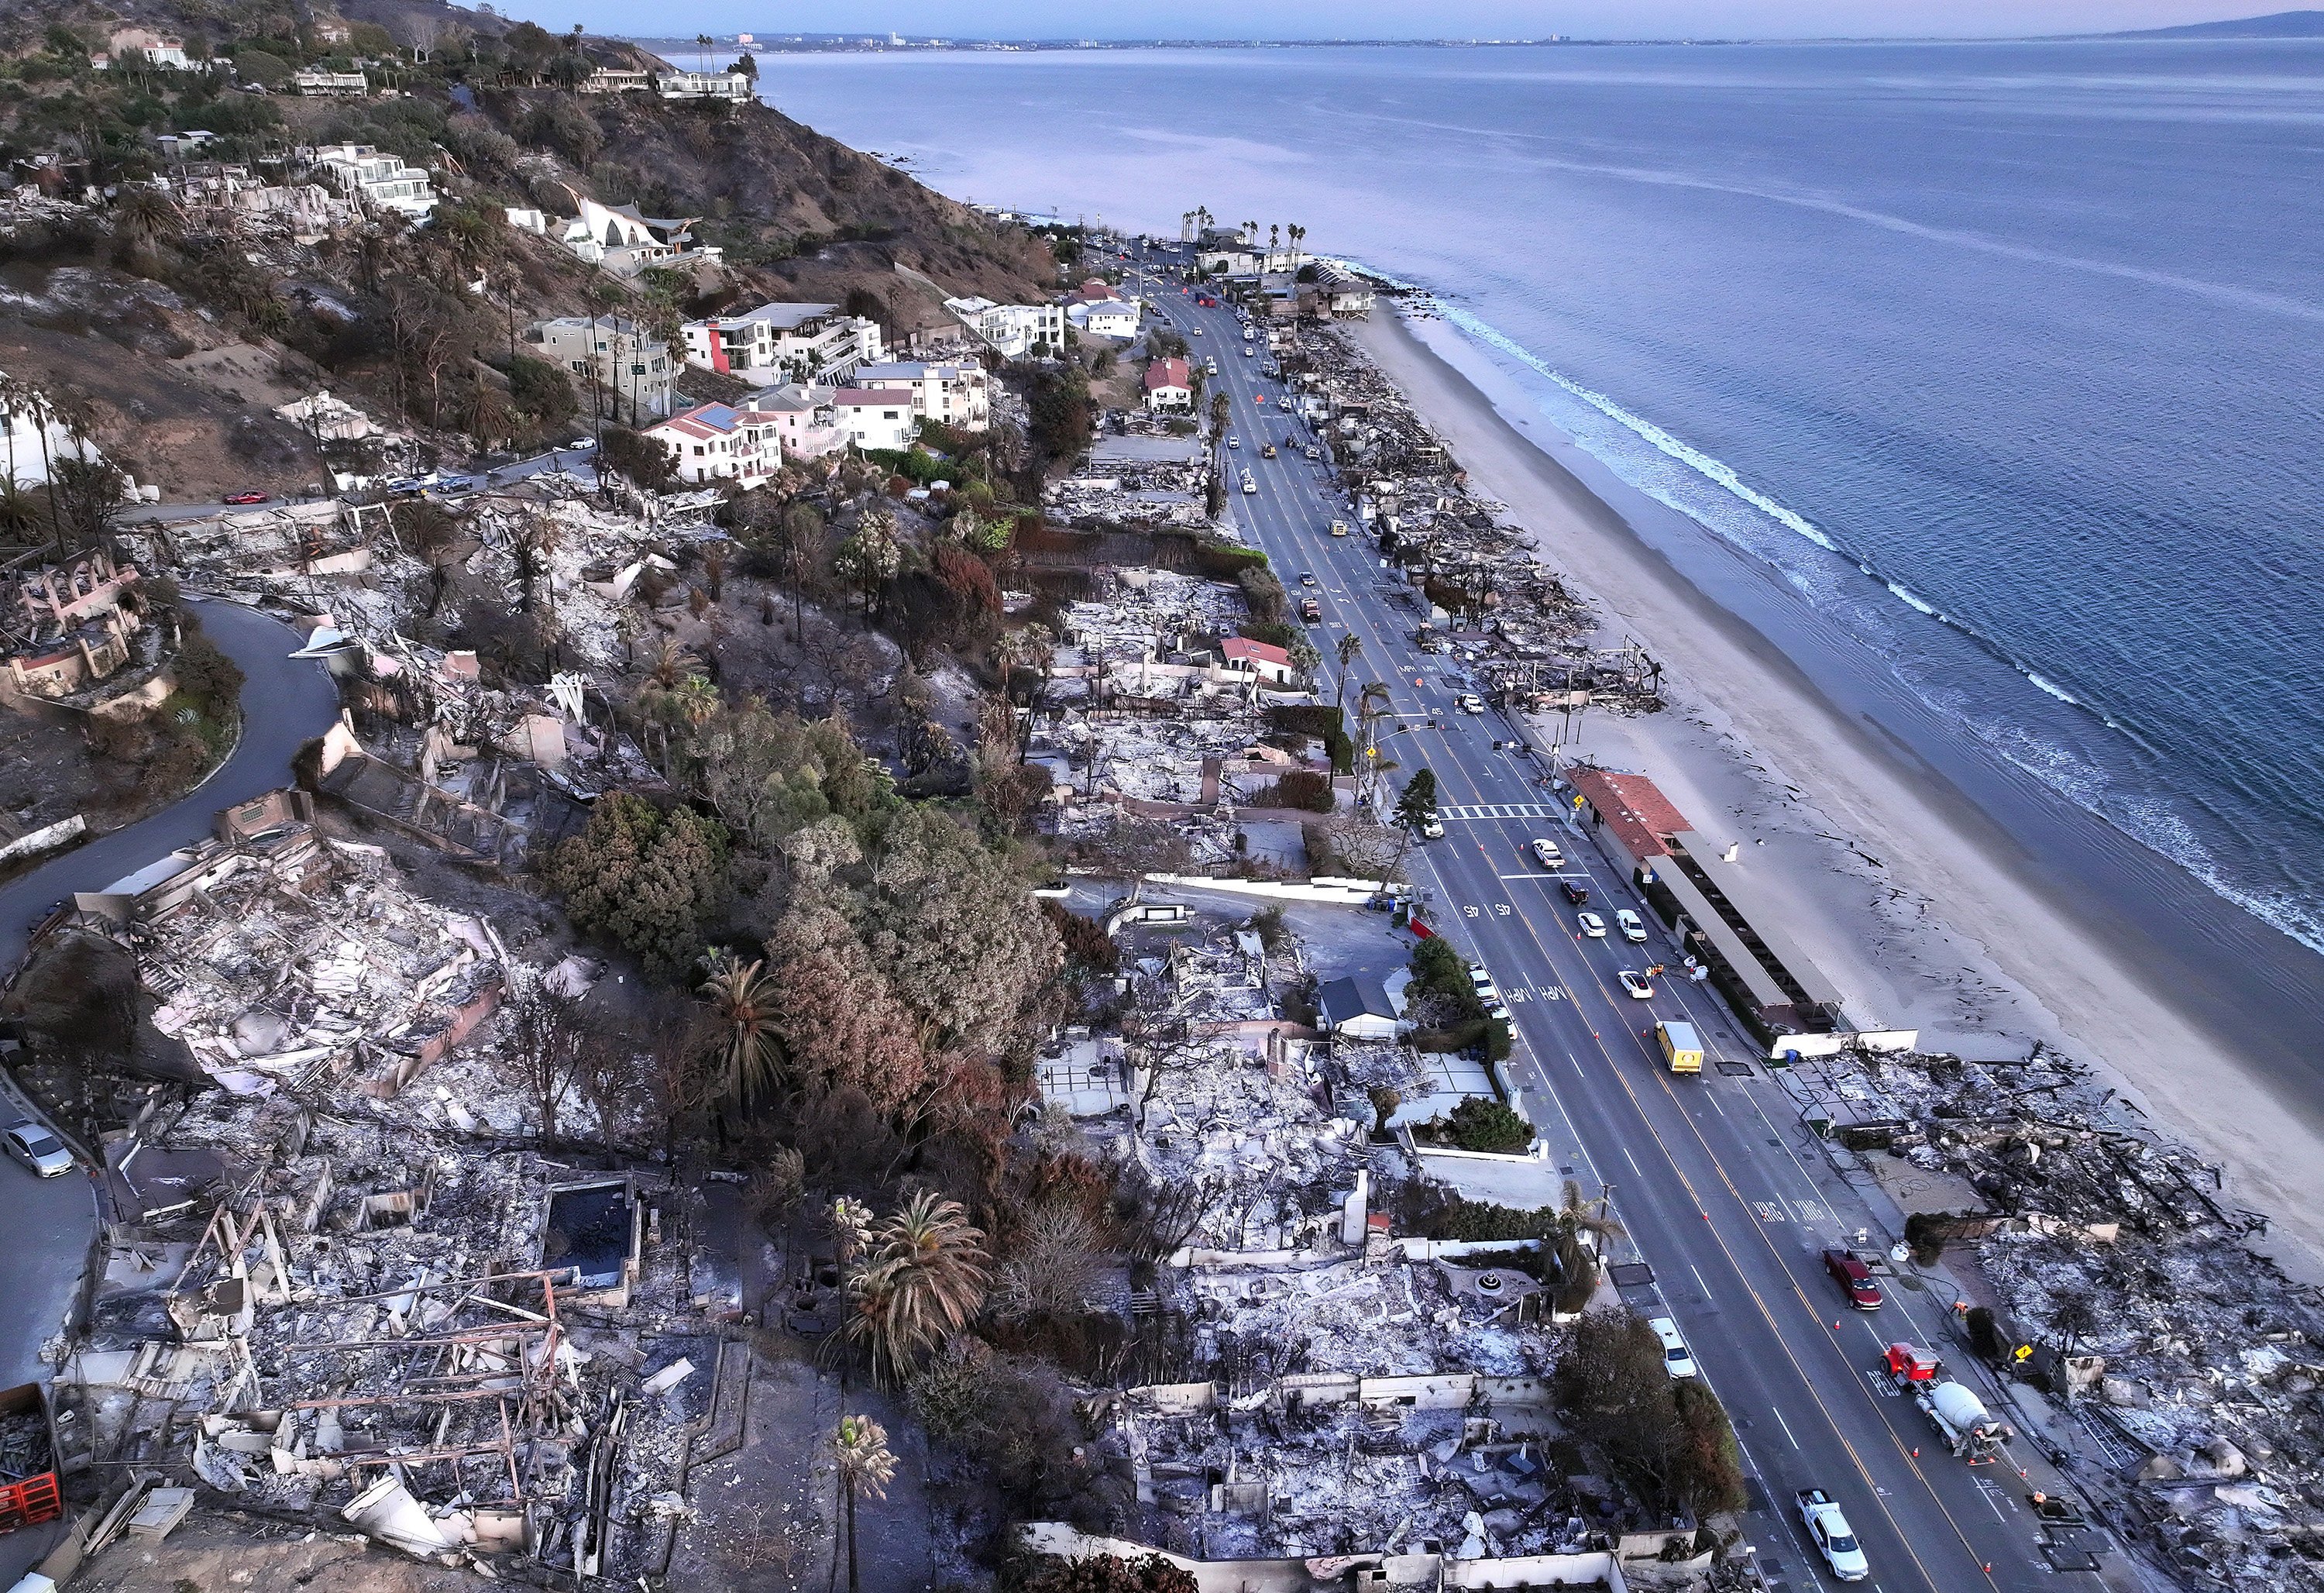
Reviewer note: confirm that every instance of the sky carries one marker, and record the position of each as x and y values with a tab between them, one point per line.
1240	19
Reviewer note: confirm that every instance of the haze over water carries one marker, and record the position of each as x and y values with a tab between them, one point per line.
2033	334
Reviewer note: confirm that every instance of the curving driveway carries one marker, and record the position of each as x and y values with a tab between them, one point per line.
50	1222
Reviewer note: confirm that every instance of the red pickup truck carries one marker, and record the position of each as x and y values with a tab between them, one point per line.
1855	1280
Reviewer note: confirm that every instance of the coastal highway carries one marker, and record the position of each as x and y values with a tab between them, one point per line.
1722	1193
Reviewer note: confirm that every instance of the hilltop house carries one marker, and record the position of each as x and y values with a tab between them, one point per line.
720	442
805	419
727	86
1095	308
1012	330
613	362
617	237
875	417
374	180
778	342
315	80
159	49
955	395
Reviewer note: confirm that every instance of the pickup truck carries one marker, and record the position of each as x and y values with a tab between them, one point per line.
1309	611
1828	1531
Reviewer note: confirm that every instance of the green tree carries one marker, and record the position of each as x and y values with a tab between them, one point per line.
1481	1125
742	998
647	880
839	1019
1349	648
1417	806
869	559
921	1280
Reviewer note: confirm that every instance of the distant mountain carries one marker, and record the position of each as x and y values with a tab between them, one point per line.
2282	24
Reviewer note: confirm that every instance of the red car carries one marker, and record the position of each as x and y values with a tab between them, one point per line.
1855	1280
246	498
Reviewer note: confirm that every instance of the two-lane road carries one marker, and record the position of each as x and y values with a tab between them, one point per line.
1714	1180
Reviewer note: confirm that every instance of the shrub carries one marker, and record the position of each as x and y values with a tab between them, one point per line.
208	675
1475	1220
1296	787
644	879
1481	1125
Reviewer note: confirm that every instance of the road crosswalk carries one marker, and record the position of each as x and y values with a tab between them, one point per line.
1502	810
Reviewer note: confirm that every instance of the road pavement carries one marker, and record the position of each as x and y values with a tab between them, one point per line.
1724	1196
53	1221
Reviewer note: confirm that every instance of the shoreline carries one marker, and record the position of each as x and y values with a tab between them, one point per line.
1876	853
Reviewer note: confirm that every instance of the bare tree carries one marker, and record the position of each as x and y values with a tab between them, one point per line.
545	1045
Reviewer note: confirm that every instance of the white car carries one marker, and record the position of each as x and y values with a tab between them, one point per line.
38	1149
1634	929
1677	1359
1193	331
1433	827
1591	925
1546	853
1641	988
1834	1539
1468	702
1250	486
1233	441
1486	991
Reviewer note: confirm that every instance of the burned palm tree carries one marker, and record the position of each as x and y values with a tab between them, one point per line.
922	1279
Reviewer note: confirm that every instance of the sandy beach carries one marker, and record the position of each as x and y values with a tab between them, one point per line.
1922	909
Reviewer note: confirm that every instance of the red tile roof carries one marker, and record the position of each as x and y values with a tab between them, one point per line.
1633	807
1257	651
1165	372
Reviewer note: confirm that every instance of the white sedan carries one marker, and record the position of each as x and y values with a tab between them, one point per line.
1468	702
1591	925
1634	929
1641	988
1677	1359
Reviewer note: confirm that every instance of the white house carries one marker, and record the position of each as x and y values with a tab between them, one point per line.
612	80
955	395
624	242
874	417
719	442
1261	659
610	359
380	181
1094	308
1012	330
316	81
805	420
1167	385
778	342
161	50
727	86
1359	1008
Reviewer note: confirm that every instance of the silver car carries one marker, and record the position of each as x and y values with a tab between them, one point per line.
38	1149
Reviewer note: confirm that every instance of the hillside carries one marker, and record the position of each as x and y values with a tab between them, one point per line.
172	336
2280	24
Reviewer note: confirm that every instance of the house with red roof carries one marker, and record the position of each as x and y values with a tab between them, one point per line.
1167	385
1634	819
1270	663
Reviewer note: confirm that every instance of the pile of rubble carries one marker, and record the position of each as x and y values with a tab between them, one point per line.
2188	1364
1143	476
345	1286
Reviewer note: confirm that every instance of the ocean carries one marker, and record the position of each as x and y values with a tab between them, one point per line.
2006	359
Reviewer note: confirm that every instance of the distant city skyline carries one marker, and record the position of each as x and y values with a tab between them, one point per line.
1381	19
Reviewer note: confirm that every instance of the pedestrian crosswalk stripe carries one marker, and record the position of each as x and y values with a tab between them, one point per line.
1501	810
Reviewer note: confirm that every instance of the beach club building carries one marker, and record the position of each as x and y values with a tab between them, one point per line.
1702	892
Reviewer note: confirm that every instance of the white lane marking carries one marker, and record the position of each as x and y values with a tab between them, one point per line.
1786	1426
1633	1161
1698	1280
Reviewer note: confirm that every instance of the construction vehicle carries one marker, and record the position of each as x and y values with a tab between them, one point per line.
1681	1046
1310	610
29	1492
1834	1539
1970	1430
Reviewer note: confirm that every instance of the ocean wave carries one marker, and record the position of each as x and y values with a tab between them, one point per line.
2148	819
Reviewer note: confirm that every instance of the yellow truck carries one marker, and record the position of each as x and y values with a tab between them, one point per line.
1681	1046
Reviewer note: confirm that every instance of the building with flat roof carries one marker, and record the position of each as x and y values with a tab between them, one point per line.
617	364
1722	918
784	342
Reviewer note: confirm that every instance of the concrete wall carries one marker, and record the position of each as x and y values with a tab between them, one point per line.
1444	1391
1293	1575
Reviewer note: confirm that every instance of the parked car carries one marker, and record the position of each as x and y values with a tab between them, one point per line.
1634	928
581	445
1677	1359
1590	924
38	1149
246	497
1483	984
1576	891
1641	988
1855	1280
1546	853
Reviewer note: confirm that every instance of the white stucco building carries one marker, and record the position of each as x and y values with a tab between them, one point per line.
955	395
613	362
376	180
1013	331
784	342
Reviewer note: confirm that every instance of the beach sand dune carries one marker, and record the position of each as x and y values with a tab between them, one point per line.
1919	907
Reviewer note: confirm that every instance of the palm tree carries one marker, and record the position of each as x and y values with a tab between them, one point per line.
695	701
1351	648
703	41
20	514
865	1466
743	1003
922	1281
142	217
1274	240
672	662
1298	236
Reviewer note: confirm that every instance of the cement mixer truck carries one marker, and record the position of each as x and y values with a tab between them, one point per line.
1969	1430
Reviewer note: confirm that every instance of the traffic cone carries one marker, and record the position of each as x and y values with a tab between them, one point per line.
1916	1452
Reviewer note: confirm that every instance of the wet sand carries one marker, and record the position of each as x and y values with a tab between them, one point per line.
1927	912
